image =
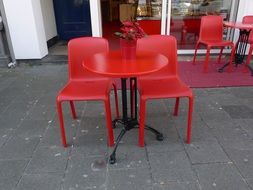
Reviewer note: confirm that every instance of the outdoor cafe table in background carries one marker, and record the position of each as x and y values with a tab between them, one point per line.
112	65
242	42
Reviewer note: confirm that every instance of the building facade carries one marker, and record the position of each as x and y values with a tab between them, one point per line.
30	24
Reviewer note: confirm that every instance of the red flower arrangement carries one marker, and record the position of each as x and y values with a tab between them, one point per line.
131	31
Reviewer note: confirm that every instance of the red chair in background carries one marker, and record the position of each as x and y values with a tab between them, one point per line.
249	20
85	85
211	35
164	83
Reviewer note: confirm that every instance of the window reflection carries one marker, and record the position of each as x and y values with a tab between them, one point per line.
186	16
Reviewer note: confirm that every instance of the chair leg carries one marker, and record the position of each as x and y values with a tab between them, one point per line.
116	100
109	122
249	57
195	53
205	69
231	59
60	115
132	100
189	125
176	107
73	111
221	51
142	122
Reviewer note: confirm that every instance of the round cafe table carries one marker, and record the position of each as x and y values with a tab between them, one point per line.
112	65
241	44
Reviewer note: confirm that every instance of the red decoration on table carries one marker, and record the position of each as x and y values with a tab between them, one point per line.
130	32
128	48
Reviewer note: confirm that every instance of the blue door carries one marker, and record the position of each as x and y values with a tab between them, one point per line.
72	18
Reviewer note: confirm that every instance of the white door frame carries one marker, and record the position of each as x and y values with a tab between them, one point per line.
96	19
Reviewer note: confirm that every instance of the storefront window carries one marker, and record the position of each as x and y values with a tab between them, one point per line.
149	13
186	15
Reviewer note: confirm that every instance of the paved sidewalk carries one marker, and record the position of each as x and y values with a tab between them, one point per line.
31	156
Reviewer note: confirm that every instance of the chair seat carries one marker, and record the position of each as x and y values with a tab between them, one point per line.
217	43
169	87
88	90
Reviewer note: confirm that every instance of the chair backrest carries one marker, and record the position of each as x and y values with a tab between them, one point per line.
249	20
166	45
211	28
80	49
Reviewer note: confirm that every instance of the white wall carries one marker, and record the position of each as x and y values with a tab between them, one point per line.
48	18
95	14
26	28
245	8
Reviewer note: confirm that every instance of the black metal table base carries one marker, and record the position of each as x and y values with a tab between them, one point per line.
236	64
130	124
241	47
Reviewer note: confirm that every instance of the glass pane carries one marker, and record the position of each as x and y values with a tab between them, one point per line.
186	15
113	13
149	14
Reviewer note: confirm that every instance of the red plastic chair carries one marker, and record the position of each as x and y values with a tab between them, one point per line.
85	85
164	83
211	35
249	20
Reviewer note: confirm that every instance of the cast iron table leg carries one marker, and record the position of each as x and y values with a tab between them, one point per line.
132	122
240	50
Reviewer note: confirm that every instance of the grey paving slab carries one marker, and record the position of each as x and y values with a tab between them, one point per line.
52	136
41	112
94	109
92	126
246	125
171	166
220	176
48	159
239	111
5	134
5	102
85	173
134	179
156	108
13	117
29	129
206	152
49	181
200	130
212	114
243	159
91	145
178	186
247	102
224	98
19	148
250	182
129	157
32	128
10	173
171	141
228	131
241	92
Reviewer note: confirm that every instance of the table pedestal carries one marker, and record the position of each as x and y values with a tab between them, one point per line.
241	47
129	122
